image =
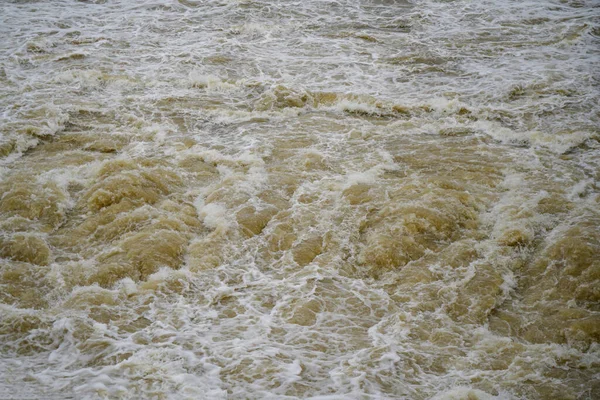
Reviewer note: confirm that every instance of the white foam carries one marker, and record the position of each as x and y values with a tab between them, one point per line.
210	82
521	73
464	393
214	215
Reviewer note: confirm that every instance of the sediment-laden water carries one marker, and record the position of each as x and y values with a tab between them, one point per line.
279	199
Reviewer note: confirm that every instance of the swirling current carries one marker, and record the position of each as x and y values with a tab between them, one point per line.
285	199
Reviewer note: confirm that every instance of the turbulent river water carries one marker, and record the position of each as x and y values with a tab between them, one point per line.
270	199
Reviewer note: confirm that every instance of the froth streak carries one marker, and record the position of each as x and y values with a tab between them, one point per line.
353	200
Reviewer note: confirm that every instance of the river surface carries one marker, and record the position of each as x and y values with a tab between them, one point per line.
309	199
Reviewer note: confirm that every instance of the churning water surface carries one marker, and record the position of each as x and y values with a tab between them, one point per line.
272	199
